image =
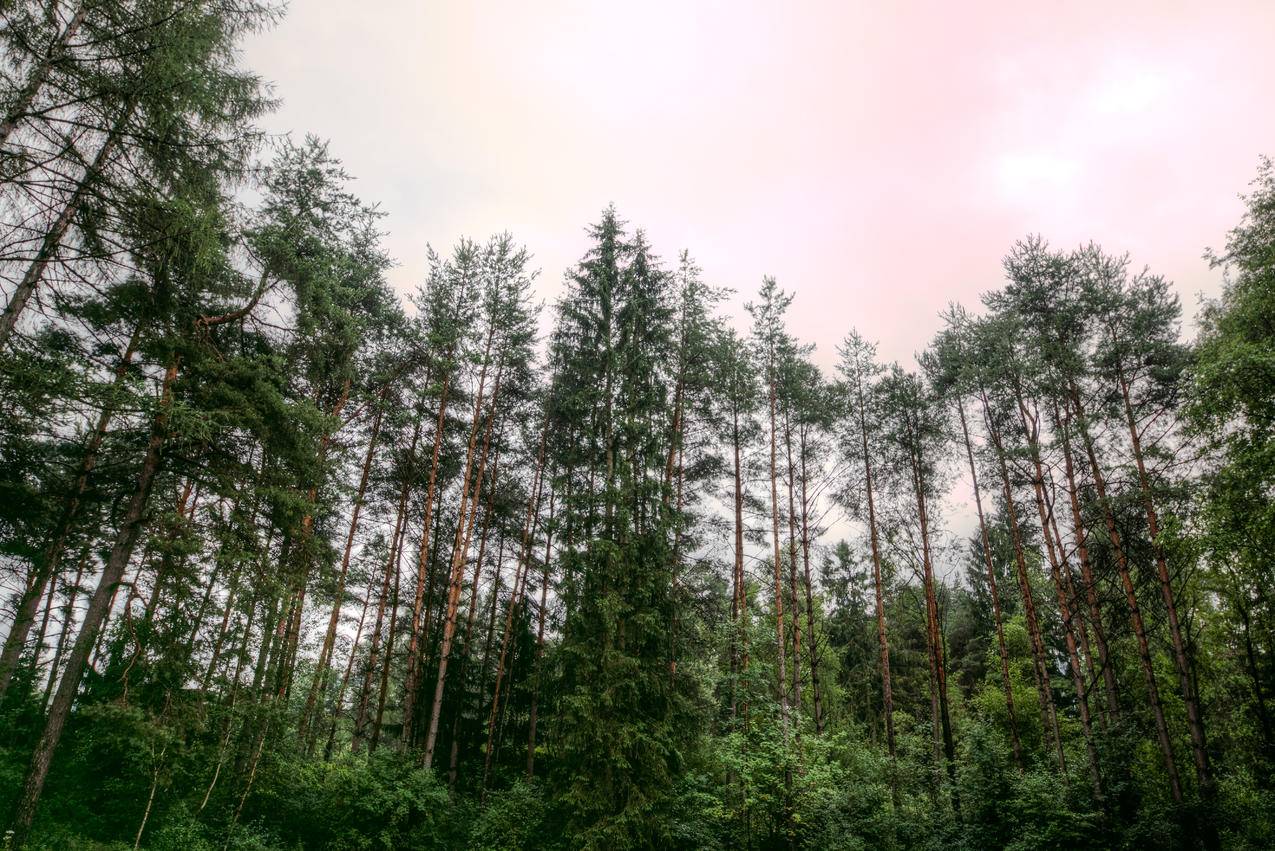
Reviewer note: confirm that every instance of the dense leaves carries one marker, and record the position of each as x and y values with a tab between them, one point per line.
292	562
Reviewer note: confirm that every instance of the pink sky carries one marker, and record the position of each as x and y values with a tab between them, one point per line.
877	158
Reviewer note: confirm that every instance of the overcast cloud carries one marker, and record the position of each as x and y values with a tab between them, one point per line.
878	158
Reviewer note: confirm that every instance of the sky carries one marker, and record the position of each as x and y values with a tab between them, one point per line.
877	158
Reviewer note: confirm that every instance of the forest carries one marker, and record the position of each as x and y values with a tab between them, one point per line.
291	560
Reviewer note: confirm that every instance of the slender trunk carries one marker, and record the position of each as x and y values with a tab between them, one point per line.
53	238
325	652
1195	720
48	564
150	799
1135	613
68	621
1259	695
411	682
345	678
986	542
292	635
247	788
198	625
374	645
43	631
460	548
472	609
1048	712
813	650
389	655
739	602
781	645
231	592
493	600
1086	569
121	551
792	568
1057	564
21	105
540	643
270	611
515	593
676	443
470	615
939	665
883	643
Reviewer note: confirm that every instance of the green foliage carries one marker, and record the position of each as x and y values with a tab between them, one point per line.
254	517
513	819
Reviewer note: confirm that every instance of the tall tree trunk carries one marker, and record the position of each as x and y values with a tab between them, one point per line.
389	654
232	592
1135	613
292	635
492	605
516	590
792	568
883	643
325	651
345	678
1048	712
739	603
932	608
812	646
471	612
986	542
52	555
374	645
68	622
1086	569
21	105
1194	718
1259	695
781	645
411	684
121	551
1057	564
57	231
459	549
540	643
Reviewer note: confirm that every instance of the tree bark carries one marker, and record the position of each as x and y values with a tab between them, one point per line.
1195	720
39	74
882	638
1086	570
68	622
1135	613
389	654
53	238
374	644
739	603
811	644
516	590
1057	564
411	682
540	643
985	540
329	637
780	645
460	547
792	567
1048	712
121	551
931	604
345	678
48	564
